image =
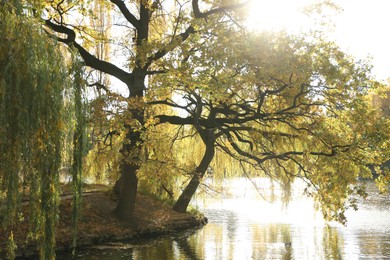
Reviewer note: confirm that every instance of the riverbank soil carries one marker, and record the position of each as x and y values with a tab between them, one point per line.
97	225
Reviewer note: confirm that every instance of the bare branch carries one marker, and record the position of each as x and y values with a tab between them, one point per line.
126	13
99	86
89	59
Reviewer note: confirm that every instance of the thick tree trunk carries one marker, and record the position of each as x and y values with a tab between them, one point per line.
186	196
128	182
131	150
128	192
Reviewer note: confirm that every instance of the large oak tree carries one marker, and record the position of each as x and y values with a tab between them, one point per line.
145	33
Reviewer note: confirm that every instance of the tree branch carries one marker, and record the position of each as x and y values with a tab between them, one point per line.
199	14
169	47
89	59
175	120
126	13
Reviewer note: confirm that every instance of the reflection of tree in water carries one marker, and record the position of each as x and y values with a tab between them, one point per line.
332	243
286	238
185	248
162	249
218	237
232	219
230	234
373	244
187	244
232	224
375	199
271	242
275	242
373	236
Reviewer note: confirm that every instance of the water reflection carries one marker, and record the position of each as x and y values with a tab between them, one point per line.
244	225
249	240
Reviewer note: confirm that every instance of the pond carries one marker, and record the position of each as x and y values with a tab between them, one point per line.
244	224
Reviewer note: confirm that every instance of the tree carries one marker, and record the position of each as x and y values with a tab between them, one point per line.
281	104
381	167
382	100
294	105
151	35
35	97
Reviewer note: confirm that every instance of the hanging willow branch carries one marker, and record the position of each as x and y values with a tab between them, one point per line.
78	148
33	83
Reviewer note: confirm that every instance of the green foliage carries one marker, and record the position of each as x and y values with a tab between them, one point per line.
33	86
79	146
11	246
275	104
285	106
376	137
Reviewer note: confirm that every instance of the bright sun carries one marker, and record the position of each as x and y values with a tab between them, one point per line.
275	15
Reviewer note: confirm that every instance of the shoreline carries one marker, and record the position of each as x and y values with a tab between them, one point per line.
98	226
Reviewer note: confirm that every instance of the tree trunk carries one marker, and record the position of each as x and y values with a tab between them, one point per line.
132	151
186	196
128	194
128	183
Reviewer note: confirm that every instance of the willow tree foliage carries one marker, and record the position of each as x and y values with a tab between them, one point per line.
34	108
380	101
287	106
144	33
78	150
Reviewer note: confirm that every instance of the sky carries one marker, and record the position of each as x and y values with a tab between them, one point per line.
362	28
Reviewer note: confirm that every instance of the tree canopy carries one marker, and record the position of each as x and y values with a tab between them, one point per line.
292	103
277	105
150	33
36	115
284	105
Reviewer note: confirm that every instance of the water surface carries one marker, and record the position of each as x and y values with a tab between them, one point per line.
244	224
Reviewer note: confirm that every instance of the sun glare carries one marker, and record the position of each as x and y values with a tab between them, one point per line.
276	15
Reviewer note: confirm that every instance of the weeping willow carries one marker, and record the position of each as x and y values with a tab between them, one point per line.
33	80
79	146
